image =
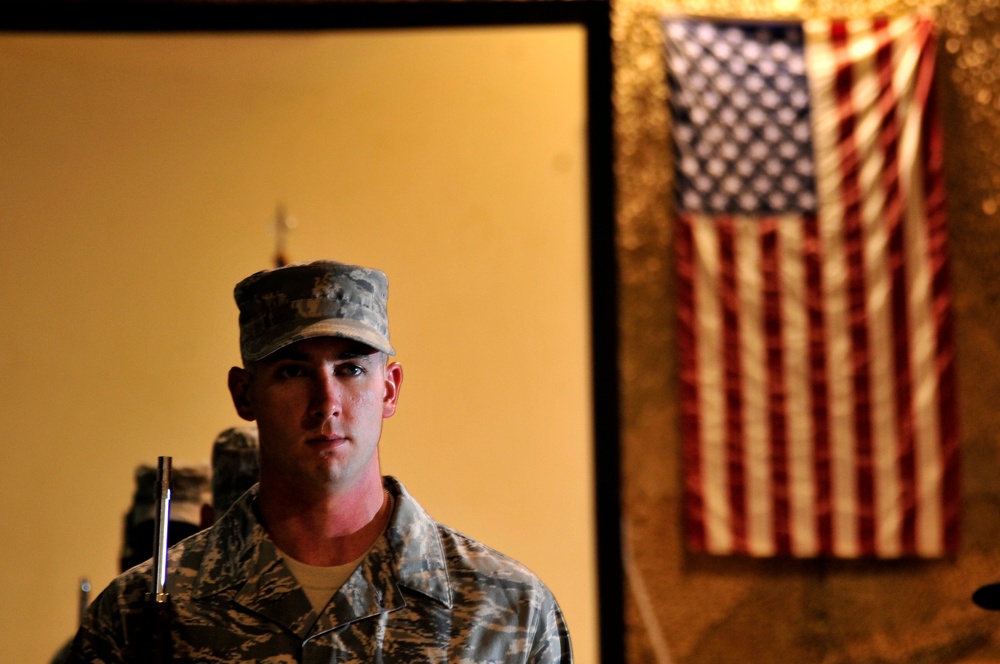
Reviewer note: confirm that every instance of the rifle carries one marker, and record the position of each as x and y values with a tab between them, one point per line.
157	607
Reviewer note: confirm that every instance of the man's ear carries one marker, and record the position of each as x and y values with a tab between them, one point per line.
393	380
239	390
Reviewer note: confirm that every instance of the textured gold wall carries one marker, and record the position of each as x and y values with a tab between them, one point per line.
698	609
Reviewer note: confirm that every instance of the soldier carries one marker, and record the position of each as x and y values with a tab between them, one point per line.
190	493
326	559
189	500
235	468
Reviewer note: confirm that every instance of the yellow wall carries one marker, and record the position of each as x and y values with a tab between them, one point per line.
139	176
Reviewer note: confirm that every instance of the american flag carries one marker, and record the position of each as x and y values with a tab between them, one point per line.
817	374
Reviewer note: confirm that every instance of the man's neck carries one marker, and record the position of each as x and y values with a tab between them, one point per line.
331	529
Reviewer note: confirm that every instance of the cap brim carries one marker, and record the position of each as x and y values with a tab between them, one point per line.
988	597
326	327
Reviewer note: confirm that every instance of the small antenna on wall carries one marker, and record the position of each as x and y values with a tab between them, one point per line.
283	224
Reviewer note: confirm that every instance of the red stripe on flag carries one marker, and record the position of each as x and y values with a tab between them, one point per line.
733	389
857	312
774	348
694	506
818	383
892	216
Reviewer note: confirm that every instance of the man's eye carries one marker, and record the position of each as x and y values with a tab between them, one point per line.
350	370
290	371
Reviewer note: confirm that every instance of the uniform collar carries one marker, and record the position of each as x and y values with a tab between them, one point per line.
239	555
413	547
237	548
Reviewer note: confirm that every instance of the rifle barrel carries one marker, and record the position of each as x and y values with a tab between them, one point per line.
84	598
160	541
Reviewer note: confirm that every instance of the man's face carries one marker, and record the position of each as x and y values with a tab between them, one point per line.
319	405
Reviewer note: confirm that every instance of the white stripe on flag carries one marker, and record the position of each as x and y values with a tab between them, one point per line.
820	63
798	406
756	433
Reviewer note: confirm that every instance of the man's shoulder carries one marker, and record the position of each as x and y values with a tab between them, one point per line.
427	543
470	560
496	594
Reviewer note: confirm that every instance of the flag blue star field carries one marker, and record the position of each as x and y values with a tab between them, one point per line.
815	344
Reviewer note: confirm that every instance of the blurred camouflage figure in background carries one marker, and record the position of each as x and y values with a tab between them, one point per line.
235	468
190	492
326	559
190	499
195	501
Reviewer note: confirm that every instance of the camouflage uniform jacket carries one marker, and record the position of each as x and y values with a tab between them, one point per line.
424	593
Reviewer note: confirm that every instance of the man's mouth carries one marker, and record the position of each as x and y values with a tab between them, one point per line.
326	441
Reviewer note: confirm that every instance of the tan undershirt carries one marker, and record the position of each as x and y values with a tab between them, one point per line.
321	583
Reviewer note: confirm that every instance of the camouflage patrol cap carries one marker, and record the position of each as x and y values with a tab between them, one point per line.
190	488
189	491
320	299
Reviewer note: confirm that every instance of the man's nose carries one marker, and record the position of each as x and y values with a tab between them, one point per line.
325	396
